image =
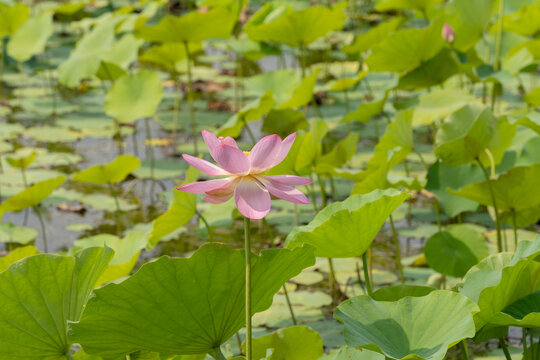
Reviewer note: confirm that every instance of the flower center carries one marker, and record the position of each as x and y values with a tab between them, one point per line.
246	152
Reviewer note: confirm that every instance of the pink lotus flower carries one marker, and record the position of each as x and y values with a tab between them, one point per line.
448	34
244	173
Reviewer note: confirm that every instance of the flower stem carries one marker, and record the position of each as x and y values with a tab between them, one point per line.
247	248
492	193
176	107
152	159
505	349
117	212
42	224
323	192
216	354
398	251
289	304
524	339
464	349
334	286
514	225
208	229
190	100
367	280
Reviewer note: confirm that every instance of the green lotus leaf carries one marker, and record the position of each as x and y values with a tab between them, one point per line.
299	28
420	5
411	46
303	94
501	140
115	171
168	316
346	83
31	196
168	55
339	155
134	96
311	144
31	37
181	209
434	71
455	250
501	280
126	252
396	292
285	85
352	353
84	60
251	112
292	343
365	111
514	63
191	28
55	290
284	122
12	17
533	97
438	104
367	40
470	20
410	328
514	190
441	178
16	255
395	144
21	162
10	233
357	220
465	135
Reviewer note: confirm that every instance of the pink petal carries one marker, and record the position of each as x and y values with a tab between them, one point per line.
286	192
252	199
217	199
201	187
284	149
231	159
228	141
264	152
211	141
204	165
290	180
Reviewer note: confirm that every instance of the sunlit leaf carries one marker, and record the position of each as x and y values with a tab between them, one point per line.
134	96
115	171
357	220
31	37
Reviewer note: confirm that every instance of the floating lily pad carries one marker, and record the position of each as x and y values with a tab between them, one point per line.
10	233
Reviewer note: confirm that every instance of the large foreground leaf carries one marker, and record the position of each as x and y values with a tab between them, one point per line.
347	228
184	306
413	327
40	294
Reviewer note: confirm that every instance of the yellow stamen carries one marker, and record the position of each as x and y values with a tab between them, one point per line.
246	152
